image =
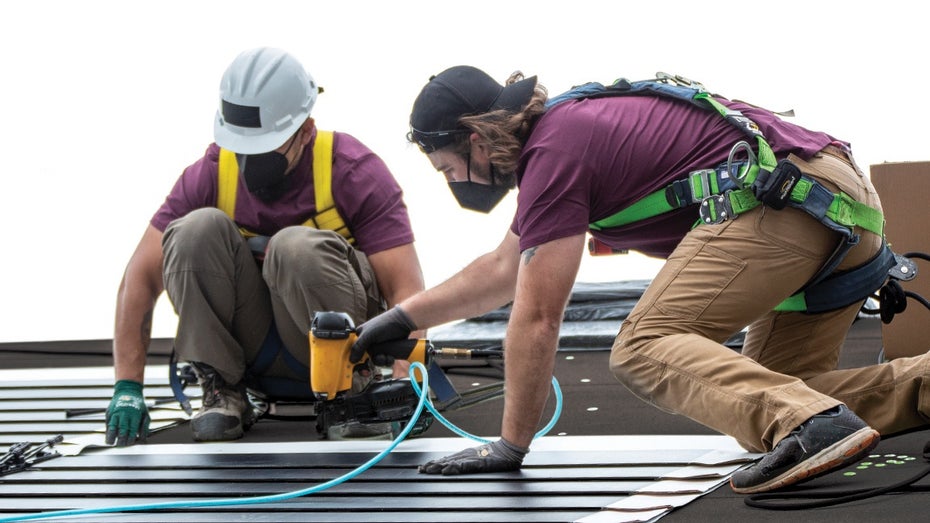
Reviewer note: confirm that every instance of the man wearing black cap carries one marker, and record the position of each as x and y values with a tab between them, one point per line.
580	162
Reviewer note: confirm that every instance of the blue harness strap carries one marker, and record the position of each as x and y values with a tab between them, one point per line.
845	288
271	386
276	386
177	387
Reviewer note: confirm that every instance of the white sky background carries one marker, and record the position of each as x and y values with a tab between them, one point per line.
105	102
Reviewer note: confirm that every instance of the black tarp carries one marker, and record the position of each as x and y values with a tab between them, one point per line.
591	321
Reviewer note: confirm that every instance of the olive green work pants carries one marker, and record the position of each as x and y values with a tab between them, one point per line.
226	302
722	278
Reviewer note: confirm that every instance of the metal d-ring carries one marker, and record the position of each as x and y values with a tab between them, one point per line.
739	178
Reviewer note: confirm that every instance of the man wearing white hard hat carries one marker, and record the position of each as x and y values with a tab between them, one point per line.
277	221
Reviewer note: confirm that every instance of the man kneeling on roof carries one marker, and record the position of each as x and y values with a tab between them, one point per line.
581	166
277	221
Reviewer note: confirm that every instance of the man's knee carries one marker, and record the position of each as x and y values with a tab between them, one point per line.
633	352
621	351
306	257
198	225
311	247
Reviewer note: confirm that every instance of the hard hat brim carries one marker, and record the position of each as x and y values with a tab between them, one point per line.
244	140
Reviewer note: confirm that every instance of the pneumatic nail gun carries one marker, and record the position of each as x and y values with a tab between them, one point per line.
385	402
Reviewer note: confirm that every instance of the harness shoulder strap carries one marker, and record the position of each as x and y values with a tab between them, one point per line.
227	187
327	217
227	182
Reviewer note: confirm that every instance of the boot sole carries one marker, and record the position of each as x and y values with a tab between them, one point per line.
843	453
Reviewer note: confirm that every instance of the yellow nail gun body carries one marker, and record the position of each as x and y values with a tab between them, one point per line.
331	337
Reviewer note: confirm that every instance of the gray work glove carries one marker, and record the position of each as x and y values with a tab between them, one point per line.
499	456
392	325
127	416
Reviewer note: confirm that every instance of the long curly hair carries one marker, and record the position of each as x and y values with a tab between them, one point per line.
505	132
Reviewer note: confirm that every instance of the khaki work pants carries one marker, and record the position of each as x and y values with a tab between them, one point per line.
724	277
226	301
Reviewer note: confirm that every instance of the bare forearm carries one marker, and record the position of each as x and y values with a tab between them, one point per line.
529	364
398	272
132	336
544	285
399	276
483	285
135	306
131	342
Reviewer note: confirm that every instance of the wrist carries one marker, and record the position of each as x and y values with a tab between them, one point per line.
514	451
130	386
405	318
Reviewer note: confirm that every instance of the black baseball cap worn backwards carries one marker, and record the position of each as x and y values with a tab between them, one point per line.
456	92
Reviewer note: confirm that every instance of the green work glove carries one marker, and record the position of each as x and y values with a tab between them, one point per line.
127	415
500	456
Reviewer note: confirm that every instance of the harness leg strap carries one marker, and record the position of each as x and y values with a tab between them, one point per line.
842	289
177	388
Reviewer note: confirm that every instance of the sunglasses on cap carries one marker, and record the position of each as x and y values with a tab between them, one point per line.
434	140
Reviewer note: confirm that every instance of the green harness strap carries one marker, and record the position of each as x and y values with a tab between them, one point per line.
719	205
766	159
839	212
702	186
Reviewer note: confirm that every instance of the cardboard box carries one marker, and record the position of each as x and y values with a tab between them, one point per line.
904	189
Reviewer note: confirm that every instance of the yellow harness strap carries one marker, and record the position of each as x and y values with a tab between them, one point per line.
327	216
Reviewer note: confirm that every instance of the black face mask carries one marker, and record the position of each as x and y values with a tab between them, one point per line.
475	196
265	174
478	196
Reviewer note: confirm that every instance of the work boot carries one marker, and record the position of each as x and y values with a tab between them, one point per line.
225	413
824	443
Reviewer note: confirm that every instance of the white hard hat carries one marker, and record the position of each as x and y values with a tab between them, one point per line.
265	96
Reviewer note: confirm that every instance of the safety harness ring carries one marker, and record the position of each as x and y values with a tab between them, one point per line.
742	175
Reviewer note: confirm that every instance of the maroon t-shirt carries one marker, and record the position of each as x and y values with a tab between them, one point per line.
365	192
588	159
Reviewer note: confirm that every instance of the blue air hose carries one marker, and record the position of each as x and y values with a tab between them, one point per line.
424	401
449	425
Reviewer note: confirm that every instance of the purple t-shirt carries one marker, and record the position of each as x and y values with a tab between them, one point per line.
588	159
365	192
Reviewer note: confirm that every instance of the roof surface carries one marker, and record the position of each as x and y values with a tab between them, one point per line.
607	447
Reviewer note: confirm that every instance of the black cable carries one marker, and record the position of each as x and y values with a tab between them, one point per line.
921	255
765	501
917	297
892	297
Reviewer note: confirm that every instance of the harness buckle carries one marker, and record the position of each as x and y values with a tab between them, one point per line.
904	268
703	178
716	209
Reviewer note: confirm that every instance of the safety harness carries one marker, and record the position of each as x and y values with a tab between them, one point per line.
327	217
749	179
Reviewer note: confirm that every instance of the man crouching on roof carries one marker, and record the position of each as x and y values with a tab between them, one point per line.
585	159
247	269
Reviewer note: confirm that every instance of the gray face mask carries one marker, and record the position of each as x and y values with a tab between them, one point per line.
479	197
